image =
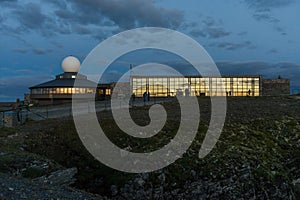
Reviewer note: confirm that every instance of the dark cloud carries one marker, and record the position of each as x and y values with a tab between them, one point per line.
273	51
209	21
216	32
7	3
267	70
263	16
82	30
21	50
211	28
31	16
267	4
87	17
15	86
210	32
38	51
263	10
127	15
198	33
3	1
234	46
242	68
41	51
242	33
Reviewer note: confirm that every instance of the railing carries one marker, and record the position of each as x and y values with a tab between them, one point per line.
18	116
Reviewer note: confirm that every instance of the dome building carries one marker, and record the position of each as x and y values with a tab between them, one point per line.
62	88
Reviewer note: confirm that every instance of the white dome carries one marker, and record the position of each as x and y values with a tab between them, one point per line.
70	64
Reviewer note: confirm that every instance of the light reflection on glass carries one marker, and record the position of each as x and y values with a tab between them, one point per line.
196	86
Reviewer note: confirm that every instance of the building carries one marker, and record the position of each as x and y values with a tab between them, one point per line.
196	86
62	88
275	87
170	86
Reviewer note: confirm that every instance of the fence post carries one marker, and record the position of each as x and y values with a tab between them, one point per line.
26	115
3	119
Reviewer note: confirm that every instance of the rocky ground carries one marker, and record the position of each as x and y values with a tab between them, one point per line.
256	157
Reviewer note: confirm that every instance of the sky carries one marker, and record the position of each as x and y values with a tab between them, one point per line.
254	37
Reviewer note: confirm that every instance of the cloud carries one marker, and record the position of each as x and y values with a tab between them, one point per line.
88	17
265	17
267	70
273	51
4	1
82	30
133	13
198	33
41	51
268	4
13	87
216	32
7	3
31	16
263	11
234	46
24	71
115	14
21	50
242	33
209	28
210	21
38	51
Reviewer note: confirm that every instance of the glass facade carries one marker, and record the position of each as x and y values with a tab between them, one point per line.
196	86
63	91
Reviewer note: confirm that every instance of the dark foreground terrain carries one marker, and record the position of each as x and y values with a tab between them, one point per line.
256	157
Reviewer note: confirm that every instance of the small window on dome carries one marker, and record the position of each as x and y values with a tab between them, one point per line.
73	76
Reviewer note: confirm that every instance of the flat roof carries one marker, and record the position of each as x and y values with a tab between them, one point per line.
164	76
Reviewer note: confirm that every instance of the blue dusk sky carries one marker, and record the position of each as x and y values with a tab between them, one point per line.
254	37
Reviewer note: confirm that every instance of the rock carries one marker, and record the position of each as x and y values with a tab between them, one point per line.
60	177
114	190
140	181
296	182
193	173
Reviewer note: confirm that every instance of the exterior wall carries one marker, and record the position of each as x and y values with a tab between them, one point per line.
275	87
45	99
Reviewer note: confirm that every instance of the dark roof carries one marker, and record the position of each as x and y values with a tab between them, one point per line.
66	82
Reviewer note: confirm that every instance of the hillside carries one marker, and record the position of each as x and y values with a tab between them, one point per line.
256	157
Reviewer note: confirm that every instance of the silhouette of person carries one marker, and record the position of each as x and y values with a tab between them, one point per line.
145	96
